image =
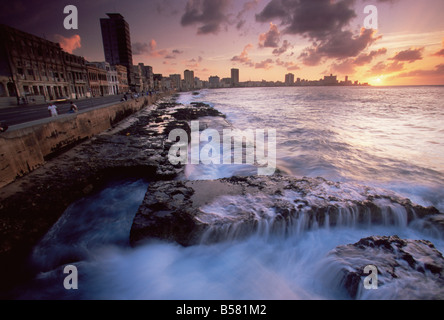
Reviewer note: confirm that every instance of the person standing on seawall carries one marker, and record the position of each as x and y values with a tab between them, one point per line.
52	109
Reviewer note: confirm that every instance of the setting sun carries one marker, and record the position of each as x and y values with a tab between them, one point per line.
378	81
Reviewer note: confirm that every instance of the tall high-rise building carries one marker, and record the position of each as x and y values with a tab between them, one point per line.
117	41
289	79
189	79
234	77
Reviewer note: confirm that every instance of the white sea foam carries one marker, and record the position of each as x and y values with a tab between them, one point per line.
323	131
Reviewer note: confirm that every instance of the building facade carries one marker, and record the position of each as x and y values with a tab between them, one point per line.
147	77
188	80
117	41
111	76
214	81
77	73
177	80
289	79
32	69
234	77
136	79
98	80
122	79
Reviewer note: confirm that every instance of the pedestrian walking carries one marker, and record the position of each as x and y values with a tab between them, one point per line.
53	112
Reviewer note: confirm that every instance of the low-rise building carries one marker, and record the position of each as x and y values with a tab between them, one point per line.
77	73
214	81
32	69
136	79
176	79
98	80
122	79
147	77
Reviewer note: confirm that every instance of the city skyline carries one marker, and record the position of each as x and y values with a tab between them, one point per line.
258	37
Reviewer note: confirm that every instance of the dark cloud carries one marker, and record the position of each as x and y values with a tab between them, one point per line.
316	19
344	67
344	44
284	48
249	5
325	23
266	64
142	48
240	24
364	59
271	38
341	45
209	14
410	55
439	53
348	66
291	66
244	57
383	68
437	72
310	57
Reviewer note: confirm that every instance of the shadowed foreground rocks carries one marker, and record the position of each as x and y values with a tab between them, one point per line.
193	212
136	147
407	269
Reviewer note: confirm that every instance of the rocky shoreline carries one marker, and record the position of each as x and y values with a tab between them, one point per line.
136	147
404	267
183	211
205	212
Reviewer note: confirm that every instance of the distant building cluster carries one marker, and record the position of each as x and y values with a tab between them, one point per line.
330	80
35	70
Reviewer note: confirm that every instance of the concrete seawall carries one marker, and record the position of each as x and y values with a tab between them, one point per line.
25	149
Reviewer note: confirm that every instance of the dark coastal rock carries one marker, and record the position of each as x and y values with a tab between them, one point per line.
136	147
240	206
432	225
407	269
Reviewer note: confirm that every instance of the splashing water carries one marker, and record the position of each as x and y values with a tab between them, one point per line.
377	138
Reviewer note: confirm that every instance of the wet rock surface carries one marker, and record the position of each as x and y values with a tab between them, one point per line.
186	212
193	212
136	147
407	269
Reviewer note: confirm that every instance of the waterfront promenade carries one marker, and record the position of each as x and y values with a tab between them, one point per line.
24	115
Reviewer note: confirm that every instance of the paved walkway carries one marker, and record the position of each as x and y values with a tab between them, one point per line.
24	116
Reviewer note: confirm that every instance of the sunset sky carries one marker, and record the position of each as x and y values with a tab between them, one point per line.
265	39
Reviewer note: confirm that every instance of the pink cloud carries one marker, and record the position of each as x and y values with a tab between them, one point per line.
243	57
69	44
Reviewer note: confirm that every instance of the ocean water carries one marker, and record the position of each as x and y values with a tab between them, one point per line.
384	137
390	138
